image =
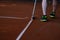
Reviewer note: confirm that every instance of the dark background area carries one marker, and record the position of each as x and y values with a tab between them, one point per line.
27	0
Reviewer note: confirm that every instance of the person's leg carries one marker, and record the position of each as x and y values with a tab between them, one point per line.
54	5
52	14
44	6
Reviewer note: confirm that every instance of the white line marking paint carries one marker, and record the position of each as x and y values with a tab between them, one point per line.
23	31
4	5
29	23
13	17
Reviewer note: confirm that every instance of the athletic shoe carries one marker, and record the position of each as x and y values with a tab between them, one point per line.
44	18
52	15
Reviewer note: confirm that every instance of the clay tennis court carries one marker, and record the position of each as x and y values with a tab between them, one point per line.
14	16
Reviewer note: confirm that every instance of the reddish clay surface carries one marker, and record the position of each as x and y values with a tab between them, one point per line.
10	28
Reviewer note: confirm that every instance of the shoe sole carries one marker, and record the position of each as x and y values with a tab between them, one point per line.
43	20
52	16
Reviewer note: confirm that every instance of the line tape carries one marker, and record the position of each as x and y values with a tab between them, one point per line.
23	31
13	17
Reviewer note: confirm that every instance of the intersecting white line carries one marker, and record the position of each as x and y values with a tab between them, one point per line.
23	31
29	23
4	5
13	17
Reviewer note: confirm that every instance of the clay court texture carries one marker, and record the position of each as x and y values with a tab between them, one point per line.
14	16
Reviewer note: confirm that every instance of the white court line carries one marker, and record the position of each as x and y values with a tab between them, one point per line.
23	31
29	23
4	5
13	17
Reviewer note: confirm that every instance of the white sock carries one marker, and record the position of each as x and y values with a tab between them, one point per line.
54	5
44	6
